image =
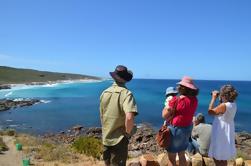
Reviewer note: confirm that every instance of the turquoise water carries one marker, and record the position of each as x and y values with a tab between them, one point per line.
78	103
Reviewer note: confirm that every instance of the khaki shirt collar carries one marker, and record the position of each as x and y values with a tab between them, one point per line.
119	84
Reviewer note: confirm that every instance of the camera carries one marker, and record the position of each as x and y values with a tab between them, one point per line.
217	93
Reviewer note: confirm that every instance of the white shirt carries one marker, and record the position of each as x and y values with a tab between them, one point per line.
222	145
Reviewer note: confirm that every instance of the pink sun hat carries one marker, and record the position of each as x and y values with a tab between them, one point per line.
187	82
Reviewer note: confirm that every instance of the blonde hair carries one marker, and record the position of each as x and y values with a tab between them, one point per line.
229	93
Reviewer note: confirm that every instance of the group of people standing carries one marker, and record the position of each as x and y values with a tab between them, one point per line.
118	109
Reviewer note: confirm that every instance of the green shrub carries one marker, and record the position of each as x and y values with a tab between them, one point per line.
9	132
89	146
3	146
242	154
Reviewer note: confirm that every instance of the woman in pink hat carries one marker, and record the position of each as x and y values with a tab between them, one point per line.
181	125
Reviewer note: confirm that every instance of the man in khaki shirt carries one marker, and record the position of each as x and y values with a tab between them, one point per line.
117	111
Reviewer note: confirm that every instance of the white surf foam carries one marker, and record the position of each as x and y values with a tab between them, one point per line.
45	101
13	125
8	94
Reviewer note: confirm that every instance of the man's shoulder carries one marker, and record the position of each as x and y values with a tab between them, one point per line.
206	125
117	89
203	127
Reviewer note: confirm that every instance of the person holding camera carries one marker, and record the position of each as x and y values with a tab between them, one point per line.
222	146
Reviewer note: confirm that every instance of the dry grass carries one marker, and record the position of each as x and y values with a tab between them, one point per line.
47	153
8	132
3	146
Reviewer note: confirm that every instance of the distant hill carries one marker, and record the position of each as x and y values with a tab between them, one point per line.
9	75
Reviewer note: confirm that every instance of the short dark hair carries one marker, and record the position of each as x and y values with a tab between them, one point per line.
200	118
229	93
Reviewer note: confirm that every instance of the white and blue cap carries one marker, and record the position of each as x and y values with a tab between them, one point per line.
171	90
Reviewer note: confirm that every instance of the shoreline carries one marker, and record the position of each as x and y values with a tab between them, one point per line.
11	86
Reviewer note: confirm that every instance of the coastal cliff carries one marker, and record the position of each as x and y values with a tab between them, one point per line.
10	75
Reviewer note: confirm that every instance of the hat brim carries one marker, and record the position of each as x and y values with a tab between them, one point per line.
172	92
191	86
117	78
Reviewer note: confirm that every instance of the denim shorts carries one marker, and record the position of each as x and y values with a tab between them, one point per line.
179	138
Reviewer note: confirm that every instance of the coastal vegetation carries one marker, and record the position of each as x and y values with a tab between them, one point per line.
8	132
45	150
89	146
9	75
83	145
3	146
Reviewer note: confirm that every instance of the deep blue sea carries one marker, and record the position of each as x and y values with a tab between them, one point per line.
78	103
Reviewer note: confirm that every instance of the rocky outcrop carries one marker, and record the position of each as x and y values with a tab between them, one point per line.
151	159
143	141
145	151
148	160
243	144
6	104
5	87
70	135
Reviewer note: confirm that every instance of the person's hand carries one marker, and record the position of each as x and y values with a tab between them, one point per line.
215	94
134	130
128	136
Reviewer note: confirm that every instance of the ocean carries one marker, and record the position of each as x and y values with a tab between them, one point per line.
65	105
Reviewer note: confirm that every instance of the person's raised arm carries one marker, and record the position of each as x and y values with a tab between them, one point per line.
220	109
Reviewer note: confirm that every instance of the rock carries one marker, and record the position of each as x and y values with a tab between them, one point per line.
94	132
5	87
134	163
148	160
197	160
231	163
6	104
135	153
163	159
77	128
243	144
248	163
144	140
239	162
208	161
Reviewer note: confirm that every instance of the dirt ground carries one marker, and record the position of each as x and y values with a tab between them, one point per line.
12	157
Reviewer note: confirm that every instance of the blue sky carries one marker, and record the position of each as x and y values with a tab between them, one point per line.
205	39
